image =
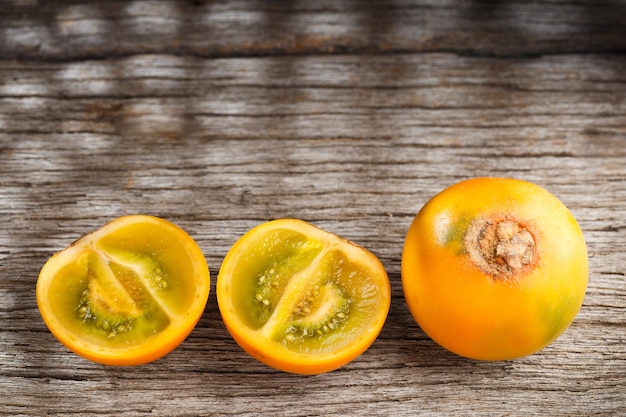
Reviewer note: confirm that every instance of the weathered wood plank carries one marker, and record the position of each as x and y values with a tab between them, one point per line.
251	28
327	97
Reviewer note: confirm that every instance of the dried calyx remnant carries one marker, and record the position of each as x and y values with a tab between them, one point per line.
500	247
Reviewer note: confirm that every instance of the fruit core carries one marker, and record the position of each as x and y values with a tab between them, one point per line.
500	247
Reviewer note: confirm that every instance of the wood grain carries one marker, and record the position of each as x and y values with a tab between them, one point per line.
218	115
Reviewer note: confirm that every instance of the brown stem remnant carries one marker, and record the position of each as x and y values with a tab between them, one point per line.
500	247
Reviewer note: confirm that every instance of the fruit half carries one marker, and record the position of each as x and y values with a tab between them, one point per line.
126	294
301	299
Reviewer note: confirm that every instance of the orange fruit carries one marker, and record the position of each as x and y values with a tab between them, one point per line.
301	299
126	294
494	268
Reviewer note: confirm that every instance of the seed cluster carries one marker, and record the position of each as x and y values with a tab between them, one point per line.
109	327
158	279
301	328
303	308
266	283
295	331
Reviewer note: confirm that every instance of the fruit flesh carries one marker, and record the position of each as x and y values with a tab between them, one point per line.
264	274
113	294
116	296
304	269
301	299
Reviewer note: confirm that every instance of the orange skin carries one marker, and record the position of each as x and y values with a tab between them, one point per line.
490	316
65	276
263	344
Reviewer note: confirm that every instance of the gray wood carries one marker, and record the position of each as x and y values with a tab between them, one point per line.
218	115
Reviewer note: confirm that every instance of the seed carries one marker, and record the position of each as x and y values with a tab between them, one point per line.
290	337
266	301
106	325
341	315
121	328
325	328
163	284
259	297
111	335
262	279
84	313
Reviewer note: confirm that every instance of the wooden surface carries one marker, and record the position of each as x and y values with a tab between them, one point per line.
219	115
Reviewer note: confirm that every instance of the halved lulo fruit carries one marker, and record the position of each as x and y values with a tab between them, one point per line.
301	299
126	294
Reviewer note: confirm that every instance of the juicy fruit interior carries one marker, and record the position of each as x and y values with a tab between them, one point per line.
302	293
123	288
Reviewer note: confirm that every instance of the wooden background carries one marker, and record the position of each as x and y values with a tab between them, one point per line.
219	115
